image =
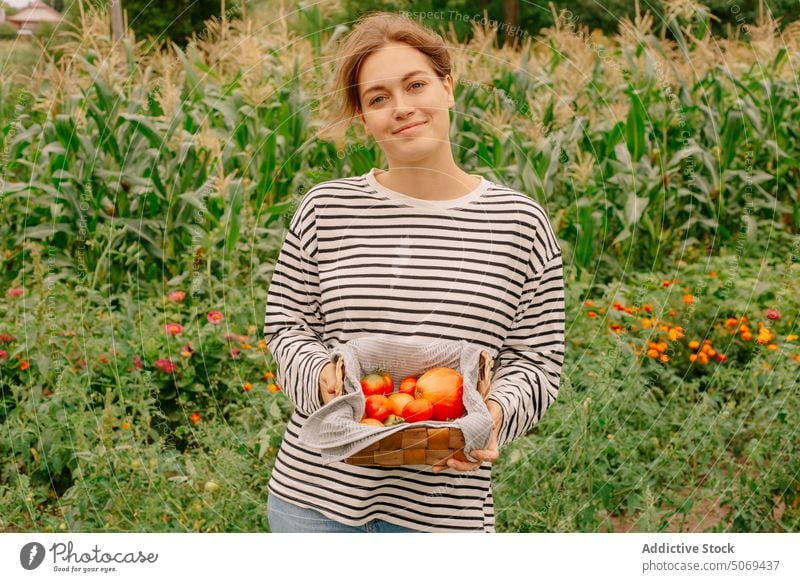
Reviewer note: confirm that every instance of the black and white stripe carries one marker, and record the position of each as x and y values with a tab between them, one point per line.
358	261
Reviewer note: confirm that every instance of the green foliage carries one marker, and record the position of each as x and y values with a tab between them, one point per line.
7	31
636	443
175	20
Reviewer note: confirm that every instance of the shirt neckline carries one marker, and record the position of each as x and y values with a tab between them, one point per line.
422	203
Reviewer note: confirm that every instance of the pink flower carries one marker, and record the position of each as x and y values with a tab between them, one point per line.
137	363
6	338
177	296
3	355
215	317
773	314
15	292
235	353
165	366
174	328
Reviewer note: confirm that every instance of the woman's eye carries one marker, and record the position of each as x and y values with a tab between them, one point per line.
416	84
375	100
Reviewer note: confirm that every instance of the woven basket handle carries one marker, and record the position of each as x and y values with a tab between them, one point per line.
484	375
338	362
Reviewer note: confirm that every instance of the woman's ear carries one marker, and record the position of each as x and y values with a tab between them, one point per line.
449	87
362	120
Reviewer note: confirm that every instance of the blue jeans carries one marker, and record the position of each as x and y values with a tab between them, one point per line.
285	517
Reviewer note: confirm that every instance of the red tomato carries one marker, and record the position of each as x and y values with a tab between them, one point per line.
379	382
418	410
397	402
377	407
408	386
444	387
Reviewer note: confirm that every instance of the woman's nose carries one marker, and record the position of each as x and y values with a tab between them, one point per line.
402	108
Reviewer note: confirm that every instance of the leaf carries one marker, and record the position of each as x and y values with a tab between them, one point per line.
729	142
235	197
634	208
144	126
635	127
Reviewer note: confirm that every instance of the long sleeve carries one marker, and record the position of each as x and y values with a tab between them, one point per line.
528	368
293	326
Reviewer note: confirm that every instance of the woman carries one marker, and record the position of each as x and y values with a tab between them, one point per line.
424	251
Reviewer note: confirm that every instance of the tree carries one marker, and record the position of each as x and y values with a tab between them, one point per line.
175	20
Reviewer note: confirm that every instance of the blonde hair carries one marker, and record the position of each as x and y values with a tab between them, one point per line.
369	34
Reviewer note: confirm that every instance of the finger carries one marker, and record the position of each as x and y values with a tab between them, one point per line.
484	455
461	465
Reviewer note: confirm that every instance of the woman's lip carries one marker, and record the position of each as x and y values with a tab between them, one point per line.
405	129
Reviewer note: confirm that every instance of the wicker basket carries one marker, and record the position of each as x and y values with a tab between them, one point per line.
419	445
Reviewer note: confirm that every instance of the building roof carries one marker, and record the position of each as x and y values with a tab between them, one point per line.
36	11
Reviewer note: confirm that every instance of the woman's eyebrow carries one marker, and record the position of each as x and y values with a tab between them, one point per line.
405	77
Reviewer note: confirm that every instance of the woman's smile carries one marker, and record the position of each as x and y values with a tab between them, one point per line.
409	128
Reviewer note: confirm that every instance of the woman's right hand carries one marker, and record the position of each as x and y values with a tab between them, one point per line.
327	383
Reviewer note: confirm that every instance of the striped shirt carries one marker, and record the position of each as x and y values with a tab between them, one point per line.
359	258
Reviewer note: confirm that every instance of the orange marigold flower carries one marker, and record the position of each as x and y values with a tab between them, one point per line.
721	357
245	345
796	358
664	358
126	425
652	353
24	365
672	313
273	388
247	386
747	336
688	299
744	329
588	303
791	337
195	417
702	358
646	322
647	308
712	274
591	314
615	326
694	344
675	334
731	322
268	375
629	310
692	357
662	346
772	347
666	283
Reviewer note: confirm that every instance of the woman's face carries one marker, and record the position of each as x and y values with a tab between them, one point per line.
404	104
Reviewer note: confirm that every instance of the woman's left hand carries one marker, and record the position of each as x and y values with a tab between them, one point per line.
490	453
